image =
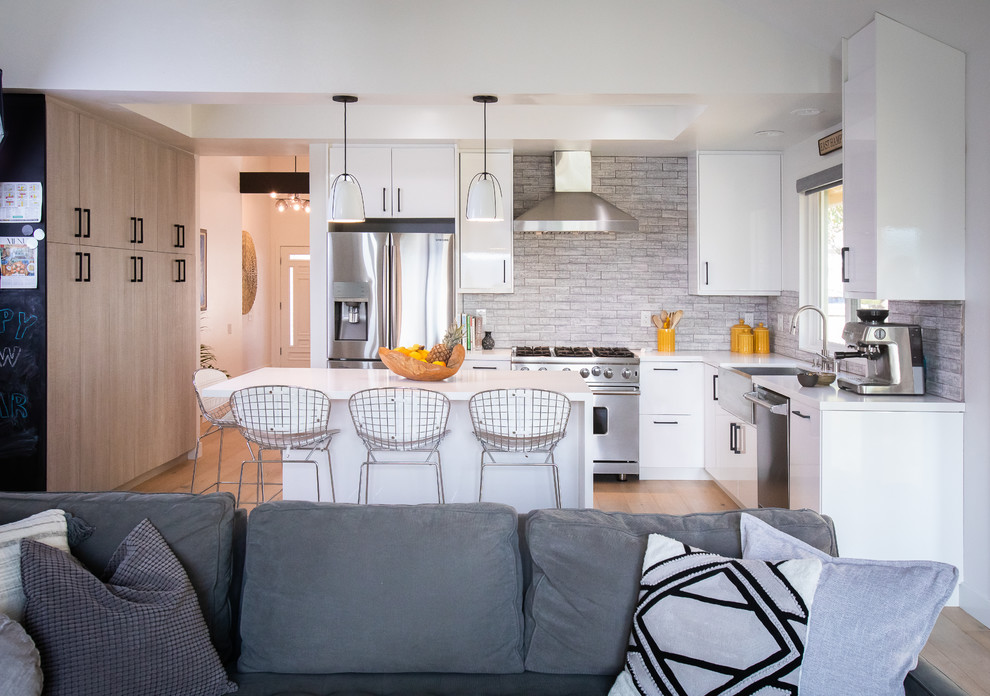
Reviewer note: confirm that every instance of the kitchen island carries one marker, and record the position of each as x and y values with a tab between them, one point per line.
523	488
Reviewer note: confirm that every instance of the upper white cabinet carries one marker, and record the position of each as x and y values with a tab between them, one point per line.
486	247
408	182
904	152
734	223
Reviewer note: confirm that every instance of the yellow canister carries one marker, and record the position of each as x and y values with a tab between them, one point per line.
761	339
746	342
665	340
734	333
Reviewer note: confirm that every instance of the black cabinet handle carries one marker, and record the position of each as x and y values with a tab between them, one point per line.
141	226
79	212
398	199
732	438
483	367
83	277
801	415
133	231
714	387
384	191
504	264
89	268
137	269
843	252
79	260
665	423
180	237
706	273
180	270
665	369
86	234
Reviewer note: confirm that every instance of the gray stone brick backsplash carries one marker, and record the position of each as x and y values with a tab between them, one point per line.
589	288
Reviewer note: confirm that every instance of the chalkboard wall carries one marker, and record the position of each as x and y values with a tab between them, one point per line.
23	326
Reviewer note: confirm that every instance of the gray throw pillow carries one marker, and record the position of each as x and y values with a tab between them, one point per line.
140	633
871	618
20	664
709	625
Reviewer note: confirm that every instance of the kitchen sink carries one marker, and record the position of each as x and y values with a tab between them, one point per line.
768	369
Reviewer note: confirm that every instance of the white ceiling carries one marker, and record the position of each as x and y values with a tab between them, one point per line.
637	77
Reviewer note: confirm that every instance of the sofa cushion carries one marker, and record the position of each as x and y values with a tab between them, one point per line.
586	570
383	588
707	624
20	663
198	529
141	632
871	618
47	527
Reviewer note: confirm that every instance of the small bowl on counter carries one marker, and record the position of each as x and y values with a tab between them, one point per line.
815	379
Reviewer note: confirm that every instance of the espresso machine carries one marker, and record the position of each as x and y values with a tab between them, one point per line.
895	360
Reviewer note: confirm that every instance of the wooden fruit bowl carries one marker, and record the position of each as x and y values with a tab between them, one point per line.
410	368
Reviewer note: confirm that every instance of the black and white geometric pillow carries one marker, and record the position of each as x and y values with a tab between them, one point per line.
706	624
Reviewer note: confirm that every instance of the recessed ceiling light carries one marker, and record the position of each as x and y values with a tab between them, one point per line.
806	111
769	133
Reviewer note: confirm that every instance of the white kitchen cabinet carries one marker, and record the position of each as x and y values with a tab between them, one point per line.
486	247
671	421
891	481
471	362
734	234
710	398
735	458
804	483
402	182
904	158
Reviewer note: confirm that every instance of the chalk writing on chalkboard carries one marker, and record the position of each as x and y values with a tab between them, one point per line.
24	322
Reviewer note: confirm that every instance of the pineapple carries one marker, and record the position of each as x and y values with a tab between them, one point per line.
441	351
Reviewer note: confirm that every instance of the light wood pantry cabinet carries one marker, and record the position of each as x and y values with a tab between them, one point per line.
78	207
671	421
734	223
485	248
904	160
121	314
407	182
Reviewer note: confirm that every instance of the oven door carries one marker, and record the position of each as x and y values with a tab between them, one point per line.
615	430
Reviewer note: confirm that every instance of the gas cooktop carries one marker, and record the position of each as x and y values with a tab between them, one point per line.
571	352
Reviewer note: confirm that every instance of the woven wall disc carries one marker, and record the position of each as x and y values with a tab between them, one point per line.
249	272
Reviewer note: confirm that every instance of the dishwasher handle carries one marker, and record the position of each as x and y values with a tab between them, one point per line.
777	409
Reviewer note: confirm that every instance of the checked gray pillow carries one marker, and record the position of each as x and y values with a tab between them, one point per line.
707	624
140	633
871	618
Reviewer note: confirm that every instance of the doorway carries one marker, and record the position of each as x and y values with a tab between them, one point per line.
293	307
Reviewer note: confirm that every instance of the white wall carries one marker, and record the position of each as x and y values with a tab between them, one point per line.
220	215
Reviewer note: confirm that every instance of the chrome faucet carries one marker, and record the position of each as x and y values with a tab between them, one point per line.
825	361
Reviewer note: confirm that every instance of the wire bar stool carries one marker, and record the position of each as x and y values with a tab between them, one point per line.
392	419
216	411
526	421
278	418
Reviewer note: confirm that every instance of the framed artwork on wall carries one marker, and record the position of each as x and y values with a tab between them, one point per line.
202	270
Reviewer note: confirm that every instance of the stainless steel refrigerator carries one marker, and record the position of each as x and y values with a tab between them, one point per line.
391	284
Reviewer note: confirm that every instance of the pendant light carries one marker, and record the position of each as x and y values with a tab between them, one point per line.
484	199
346	200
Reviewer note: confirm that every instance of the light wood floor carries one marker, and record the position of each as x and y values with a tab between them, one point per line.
959	644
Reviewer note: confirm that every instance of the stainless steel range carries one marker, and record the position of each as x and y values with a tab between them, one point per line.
612	374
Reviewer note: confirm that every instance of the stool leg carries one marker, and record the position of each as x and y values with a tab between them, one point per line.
440	493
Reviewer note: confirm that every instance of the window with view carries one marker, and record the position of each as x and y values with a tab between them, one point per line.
822	277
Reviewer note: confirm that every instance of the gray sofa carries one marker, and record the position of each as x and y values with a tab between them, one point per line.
315	598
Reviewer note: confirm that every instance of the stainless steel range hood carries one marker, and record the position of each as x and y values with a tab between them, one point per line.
573	207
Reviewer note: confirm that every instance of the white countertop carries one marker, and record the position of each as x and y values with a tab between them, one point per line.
823	398
342	383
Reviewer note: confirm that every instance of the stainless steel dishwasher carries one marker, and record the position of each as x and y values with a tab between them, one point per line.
772	441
